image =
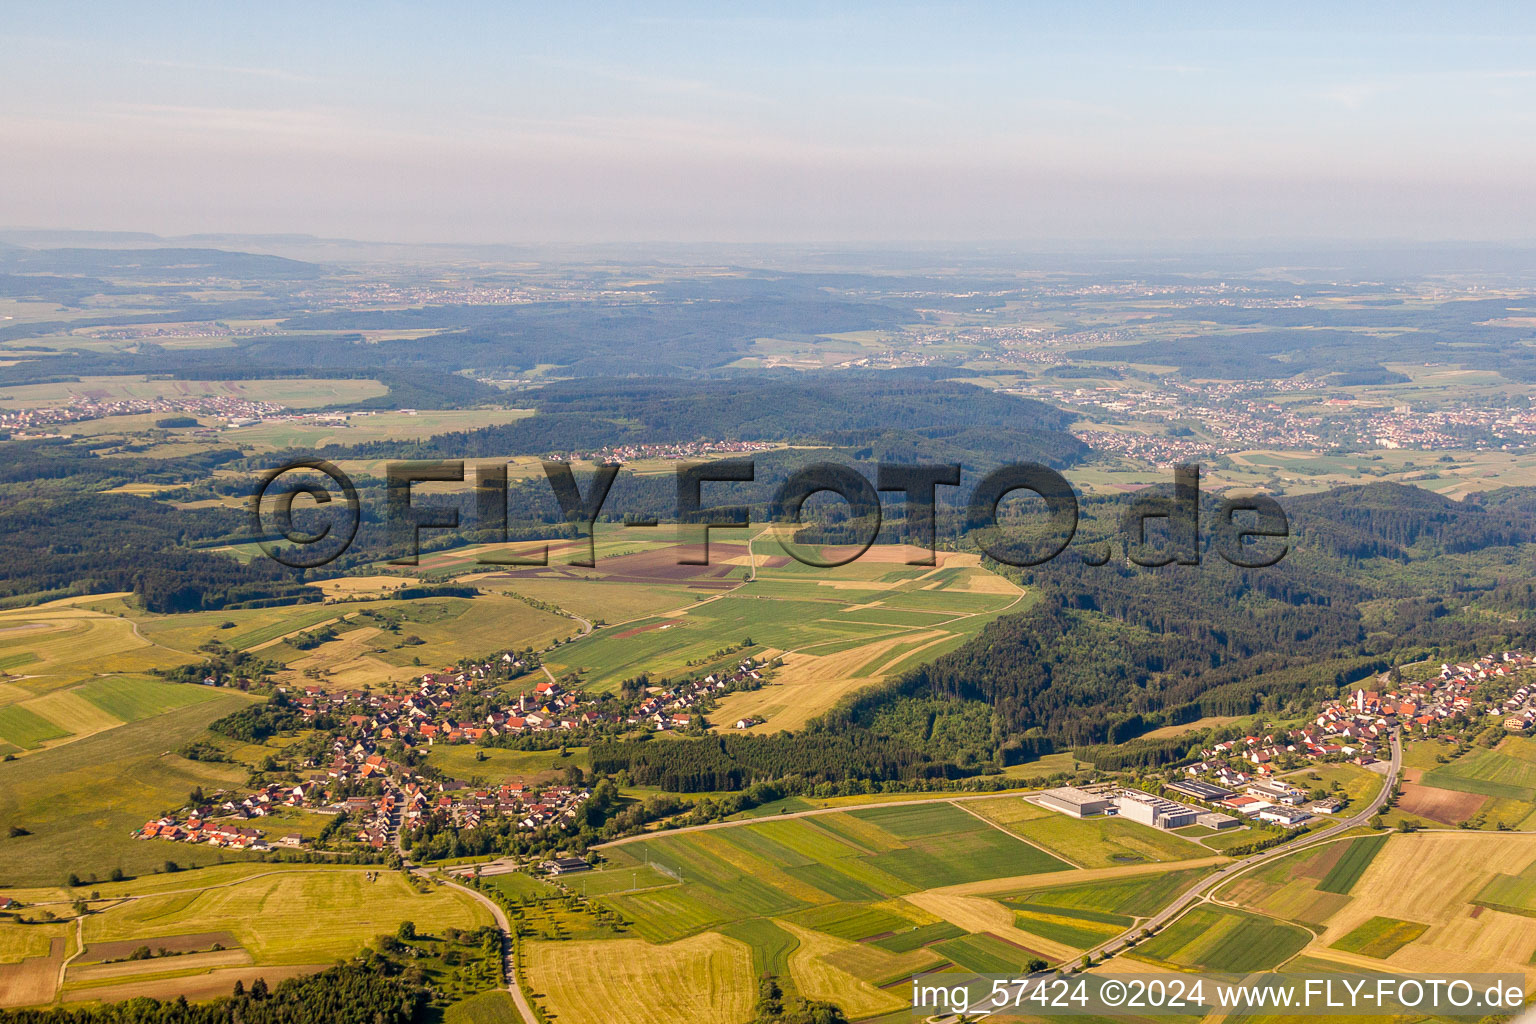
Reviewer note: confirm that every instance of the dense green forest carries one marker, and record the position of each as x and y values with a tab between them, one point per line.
88	542
1376	574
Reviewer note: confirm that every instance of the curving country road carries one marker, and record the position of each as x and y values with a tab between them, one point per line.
1203	889
508	959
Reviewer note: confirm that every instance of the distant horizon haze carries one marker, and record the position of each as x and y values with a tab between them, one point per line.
849	123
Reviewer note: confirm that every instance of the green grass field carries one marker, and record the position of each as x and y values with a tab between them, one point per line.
81	800
789	608
461	760
781	867
1380	937
485	1008
1103	842
851	921
520	886
1082	929
1216	938
1499	773
1344	874
984	954
1085	915
919	936
1513	894
26	729
133	699
771	948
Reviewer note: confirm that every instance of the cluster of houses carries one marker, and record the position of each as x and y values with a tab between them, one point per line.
400	801
1357	727
210	833
23	422
674	707
671	452
434	712
437	710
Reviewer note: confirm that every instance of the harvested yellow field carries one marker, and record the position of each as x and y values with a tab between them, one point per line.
975	914
65	645
289	915
359	586
298	632
808	684
73	713
982	582
1119	965
1210	722
705	979
1431	878
194	986
94	974
19	942
817	978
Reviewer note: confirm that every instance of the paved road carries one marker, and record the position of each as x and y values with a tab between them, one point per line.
1201	891
508	958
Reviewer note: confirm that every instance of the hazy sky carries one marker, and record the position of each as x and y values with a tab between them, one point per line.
880	121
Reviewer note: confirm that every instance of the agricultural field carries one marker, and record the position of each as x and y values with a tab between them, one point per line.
310	917
1496	786
486	1008
846	904
376	641
1380	937
1357	856
294	392
360	428
836	629
1214	938
1083	916
1306	887
51	647
1457	901
79	801
61	716
706	978
1088	842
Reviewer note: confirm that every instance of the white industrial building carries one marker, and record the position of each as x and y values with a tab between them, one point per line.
1079	803
1154	810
